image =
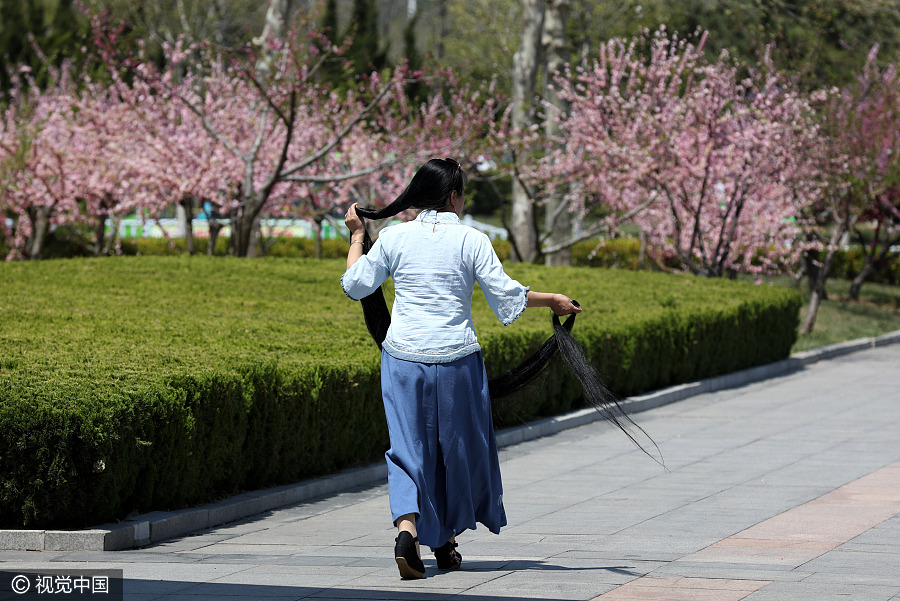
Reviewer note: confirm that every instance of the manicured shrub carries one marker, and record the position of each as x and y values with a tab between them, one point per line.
618	253
171	246
849	263
152	383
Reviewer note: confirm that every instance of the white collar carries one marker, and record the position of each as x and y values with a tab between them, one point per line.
432	216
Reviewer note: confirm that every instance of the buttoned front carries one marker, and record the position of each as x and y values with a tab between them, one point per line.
435	262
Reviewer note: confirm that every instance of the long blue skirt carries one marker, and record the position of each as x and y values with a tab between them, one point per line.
442	464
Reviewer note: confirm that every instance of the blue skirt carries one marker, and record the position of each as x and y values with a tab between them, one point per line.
442	464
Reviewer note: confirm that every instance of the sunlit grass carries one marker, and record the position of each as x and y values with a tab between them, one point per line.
841	319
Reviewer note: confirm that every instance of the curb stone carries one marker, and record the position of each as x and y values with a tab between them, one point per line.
158	526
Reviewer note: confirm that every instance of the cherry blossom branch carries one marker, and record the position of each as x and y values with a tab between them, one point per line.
288	137
340	135
601	227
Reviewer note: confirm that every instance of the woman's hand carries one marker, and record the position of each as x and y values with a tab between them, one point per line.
563	305
354	223
357	235
560	304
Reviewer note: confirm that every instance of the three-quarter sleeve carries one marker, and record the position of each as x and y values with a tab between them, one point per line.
506	297
367	274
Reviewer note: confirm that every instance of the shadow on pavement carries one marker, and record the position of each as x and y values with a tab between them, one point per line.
204	591
525	565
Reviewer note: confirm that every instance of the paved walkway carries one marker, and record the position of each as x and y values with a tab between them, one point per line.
787	489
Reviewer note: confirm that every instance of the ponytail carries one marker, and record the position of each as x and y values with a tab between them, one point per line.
375	311
430	188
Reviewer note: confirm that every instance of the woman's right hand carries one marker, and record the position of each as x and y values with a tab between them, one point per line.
354	223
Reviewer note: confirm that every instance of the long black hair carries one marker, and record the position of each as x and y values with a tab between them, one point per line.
431	188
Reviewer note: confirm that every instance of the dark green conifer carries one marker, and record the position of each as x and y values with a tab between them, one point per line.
364	53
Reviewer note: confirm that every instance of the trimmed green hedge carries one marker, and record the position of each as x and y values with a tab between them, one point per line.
154	383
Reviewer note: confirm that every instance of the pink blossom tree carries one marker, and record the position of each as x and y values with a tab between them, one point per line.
868	115
39	190
13	147
400	138
252	135
104	161
175	161
706	163
73	153
454	124
286	132
858	158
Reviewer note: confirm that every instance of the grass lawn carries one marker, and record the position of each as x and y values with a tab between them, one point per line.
841	319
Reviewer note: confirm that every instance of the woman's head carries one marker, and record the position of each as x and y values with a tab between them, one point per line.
430	188
434	183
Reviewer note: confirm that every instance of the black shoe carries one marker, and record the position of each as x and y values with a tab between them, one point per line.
408	559
447	556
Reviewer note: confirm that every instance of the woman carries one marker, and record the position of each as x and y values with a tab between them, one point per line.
443	468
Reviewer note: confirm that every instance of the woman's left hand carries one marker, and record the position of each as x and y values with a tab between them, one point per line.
563	305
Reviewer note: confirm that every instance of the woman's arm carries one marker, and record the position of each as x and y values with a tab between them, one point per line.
365	272
559	303
357	233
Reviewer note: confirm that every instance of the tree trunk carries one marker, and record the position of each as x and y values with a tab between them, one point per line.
875	255
40	229
253	241
441	30
113	236
277	16
317	235
642	250
525	65
245	224
214	228
811	260
818	291
809	323
524	226
185	211
241	230
558	221
855	285
99	235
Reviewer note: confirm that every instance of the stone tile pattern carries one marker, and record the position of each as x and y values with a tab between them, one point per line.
792	538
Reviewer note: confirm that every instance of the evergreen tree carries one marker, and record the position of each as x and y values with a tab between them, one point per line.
824	41
416	90
16	20
364	53
63	31
361	42
330	21
57	29
332	69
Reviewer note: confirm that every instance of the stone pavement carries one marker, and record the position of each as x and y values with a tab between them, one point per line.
783	489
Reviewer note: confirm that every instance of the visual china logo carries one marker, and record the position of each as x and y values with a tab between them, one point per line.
86	585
